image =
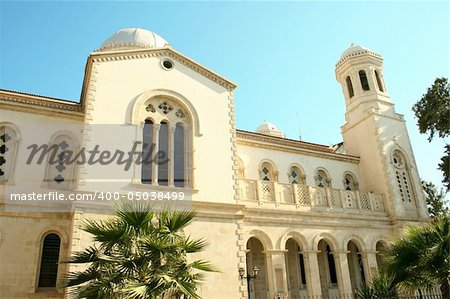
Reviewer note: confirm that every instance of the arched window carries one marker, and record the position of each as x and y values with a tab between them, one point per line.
351	93
403	177
350	182
266	172
163	164
379	83
62	160
179	146
322	179
147	138
296	176
166	136
48	273
8	150
363	79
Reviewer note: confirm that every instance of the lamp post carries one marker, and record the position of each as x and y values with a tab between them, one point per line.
255	273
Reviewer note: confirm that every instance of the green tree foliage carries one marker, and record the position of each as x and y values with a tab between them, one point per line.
139	253
420	258
436	202
382	286
433	116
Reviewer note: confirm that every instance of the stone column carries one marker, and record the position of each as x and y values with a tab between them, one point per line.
154	163
277	269
370	264
271	283
343	272
312	273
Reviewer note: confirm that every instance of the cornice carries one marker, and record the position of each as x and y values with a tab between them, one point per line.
292	146
24	102
356	54
160	52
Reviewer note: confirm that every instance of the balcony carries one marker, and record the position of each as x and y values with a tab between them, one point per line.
304	197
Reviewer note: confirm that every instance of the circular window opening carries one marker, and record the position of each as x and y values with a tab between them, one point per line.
167	64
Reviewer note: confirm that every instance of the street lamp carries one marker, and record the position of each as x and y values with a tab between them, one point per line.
255	272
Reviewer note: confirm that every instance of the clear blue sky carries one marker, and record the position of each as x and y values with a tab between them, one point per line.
281	54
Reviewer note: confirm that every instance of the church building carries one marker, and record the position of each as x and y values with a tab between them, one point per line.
308	219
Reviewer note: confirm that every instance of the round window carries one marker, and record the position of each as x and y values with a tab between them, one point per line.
167	64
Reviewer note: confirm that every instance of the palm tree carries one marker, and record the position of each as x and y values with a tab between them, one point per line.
420	259
381	286
140	253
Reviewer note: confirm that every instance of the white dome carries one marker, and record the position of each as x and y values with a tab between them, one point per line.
353	49
133	38
267	128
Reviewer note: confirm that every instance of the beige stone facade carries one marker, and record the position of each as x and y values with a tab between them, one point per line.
310	217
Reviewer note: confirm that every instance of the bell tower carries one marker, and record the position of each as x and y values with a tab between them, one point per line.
377	134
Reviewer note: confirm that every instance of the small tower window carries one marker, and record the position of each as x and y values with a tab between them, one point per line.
349	86
48	273
380	85
363	79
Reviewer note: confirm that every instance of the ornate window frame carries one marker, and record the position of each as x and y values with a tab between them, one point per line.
175	110
402	177
8	129
72	174
327	177
300	178
273	172
354	181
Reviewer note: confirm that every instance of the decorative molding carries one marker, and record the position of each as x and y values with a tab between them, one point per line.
19	99
355	54
293	146
161	52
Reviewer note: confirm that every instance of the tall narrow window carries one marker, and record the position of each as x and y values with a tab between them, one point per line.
363	79
171	162
349	86
380	85
8	148
163	165
48	272
179	156
302	268
147	139
403	177
62	163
